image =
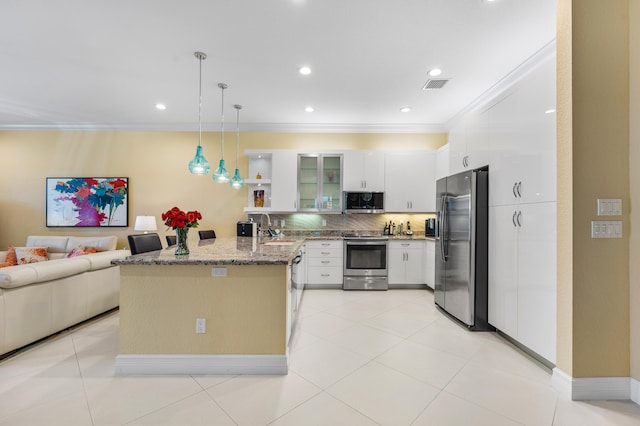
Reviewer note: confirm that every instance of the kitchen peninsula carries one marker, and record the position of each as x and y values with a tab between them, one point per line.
223	309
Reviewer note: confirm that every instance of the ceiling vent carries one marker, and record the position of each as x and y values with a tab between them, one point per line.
434	83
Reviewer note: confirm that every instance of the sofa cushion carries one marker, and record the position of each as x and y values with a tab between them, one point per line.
100	243
54	244
60	268
31	255
17	276
103	260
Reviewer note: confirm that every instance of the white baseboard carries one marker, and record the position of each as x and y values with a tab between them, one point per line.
594	388
201	364
635	390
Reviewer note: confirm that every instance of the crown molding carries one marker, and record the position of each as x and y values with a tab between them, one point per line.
416	128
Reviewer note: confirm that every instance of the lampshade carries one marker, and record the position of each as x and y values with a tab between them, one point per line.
236	181
199	164
221	175
145	223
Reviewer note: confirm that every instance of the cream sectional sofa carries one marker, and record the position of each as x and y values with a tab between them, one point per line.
40	299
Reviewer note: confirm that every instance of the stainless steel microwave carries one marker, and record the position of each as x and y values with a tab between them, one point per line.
363	202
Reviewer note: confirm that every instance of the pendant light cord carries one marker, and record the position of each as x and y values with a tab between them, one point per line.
222	86
237	107
200	57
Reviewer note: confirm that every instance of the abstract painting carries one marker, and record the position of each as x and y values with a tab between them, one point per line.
87	201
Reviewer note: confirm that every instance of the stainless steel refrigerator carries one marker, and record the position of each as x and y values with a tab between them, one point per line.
462	247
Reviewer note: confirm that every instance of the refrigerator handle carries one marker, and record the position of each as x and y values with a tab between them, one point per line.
442	227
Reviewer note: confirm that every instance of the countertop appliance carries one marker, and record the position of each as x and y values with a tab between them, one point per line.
365	262
461	263
363	202
247	229
430	227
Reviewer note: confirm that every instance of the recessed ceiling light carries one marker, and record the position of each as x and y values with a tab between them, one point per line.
434	72
405	109
550	111
161	107
304	70
309	109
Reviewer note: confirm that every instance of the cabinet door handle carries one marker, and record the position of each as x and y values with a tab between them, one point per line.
513	218
365	184
325	261
325	253
325	275
518	219
519	187
325	244
514	189
405	244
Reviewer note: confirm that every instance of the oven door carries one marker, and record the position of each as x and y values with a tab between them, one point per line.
365	257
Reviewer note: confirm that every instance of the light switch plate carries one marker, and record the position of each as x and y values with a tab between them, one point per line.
609	207
218	272
606	229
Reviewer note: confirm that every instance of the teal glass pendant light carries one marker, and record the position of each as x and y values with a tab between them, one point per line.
236	181
221	175
199	165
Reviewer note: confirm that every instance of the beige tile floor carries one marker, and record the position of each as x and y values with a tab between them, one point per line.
357	358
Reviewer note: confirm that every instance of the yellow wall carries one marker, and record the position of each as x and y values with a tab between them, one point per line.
634	252
593	146
156	164
245	311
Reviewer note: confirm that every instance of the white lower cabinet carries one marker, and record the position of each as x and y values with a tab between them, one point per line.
406	263
324	264
522	274
430	263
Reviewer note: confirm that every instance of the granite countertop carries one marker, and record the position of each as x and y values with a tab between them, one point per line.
222	251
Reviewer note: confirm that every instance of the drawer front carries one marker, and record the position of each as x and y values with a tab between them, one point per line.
326	244
324	275
407	244
325	261
321	253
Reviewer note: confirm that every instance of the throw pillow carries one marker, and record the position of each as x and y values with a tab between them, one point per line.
31	254
11	259
81	251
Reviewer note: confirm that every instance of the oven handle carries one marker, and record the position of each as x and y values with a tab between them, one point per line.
366	242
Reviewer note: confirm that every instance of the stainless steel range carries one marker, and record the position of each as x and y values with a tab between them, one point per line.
365	262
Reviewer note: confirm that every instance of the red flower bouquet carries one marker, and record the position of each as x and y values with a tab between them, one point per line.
176	218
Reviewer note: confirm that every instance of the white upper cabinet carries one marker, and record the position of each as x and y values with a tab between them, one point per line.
363	171
469	143
442	162
409	181
523	133
284	181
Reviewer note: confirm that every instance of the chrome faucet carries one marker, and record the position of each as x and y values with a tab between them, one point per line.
262	230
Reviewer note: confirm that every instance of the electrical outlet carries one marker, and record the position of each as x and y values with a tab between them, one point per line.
606	229
201	325
281	223
218	272
324	222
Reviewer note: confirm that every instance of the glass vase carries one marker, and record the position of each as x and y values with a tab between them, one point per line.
182	248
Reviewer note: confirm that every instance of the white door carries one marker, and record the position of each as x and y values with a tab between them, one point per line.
503	269
537	278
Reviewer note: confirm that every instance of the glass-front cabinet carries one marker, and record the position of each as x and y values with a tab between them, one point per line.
320	183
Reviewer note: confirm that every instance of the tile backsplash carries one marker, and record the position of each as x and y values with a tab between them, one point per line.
345	222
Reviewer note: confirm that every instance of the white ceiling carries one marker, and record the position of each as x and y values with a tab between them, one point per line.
105	64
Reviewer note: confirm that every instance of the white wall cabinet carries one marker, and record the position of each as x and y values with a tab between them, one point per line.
442	162
320	183
410	185
524	139
522	274
522	212
430	263
406	263
363	171
470	146
278	180
284	181
324	264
